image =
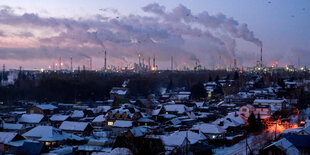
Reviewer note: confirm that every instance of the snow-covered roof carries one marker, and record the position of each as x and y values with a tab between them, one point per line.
49	133
122	124
119	90
209	128
285	146
59	117
175	121
31	118
293	130
119	150
193	137
99	119
138	131
73	126
46	107
199	104
144	120
267	101
173	140
77	114
98	142
168	116
11	126
307	129
102	109
233	119
6	137
179	108
156	112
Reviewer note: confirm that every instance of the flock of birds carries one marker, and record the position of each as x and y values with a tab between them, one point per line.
293	16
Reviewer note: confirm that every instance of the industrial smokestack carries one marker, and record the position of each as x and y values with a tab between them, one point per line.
235	64
71	66
154	65
261	57
171	62
3	71
143	63
139	68
59	63
149	63
105	60
90	64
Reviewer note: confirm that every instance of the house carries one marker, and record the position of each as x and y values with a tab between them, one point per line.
122	113
57	119
246	110
78	114
32	120
175	109
119	93
211	131
44	109
181	96
301	142
50	136
273	103
33	148
80	128
263	110
11	127
281	147
99	121
6	138
102	109
139	131
232	123
121	126
175	143
145	122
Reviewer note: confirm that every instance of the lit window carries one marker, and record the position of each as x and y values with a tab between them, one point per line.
145	124
110	123
47	143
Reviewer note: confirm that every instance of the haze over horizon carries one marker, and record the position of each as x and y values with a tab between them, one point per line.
34	34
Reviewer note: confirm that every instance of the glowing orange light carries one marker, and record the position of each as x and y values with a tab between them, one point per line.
153	68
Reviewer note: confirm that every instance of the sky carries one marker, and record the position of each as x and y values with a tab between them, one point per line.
36	33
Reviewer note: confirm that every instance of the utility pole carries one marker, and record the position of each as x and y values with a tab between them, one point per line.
246	142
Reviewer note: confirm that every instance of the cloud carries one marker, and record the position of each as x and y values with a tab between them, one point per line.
178	33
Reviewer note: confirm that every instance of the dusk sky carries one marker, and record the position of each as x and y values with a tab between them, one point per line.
35	33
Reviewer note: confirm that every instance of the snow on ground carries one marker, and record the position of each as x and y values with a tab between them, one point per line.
237	149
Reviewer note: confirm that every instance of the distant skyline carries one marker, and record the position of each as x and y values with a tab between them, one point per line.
34	34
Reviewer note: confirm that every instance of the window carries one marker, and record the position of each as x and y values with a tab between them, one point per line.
110	123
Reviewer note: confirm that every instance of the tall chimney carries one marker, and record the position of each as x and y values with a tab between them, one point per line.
90	64
139	68
261	57
71	67
3	71
235	64
171	62
154	63
105	60
149	63
60	63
